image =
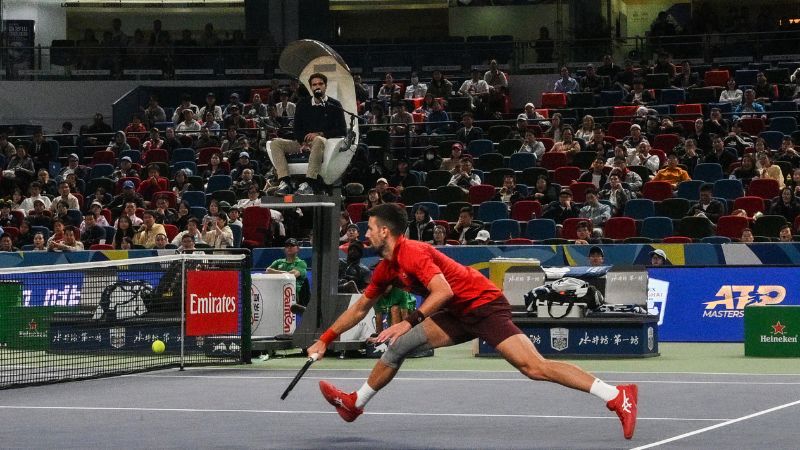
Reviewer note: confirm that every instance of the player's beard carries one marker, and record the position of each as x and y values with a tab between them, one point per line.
380	248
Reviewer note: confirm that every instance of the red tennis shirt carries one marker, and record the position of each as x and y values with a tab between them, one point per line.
413	265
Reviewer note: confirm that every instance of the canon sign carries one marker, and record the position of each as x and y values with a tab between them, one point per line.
211	304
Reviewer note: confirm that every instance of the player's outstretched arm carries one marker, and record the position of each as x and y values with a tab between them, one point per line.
347	320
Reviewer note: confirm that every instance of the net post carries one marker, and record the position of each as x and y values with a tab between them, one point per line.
247	309
183	309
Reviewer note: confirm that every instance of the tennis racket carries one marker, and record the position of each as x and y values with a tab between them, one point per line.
299	375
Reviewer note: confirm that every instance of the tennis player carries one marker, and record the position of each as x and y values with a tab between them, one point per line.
459	304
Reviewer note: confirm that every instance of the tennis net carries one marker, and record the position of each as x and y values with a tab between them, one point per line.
76	321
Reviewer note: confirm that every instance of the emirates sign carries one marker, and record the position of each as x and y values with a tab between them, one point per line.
212	303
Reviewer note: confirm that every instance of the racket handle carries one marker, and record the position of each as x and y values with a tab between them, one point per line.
313	357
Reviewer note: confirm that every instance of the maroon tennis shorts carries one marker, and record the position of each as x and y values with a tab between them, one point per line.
490	322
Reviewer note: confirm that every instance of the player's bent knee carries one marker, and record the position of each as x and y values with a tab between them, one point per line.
412	341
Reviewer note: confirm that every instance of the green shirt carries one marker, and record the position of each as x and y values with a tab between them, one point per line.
286	266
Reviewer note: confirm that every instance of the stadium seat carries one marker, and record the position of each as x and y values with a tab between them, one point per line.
218	182
779	75
236	230
509	147
689	189
433	209
672	96
222	195
521	161
752	125
694	227
751	204
746	77
447	194
497	133
611	98
415	194
619	228
579	190
101	170
570	227
566	175
355	211
674	208
666	142
580	100
194	198
766	188
495	176
783	125
101	247
104	157
155	155
701	95
584	159
552	161
656	227
531	174
519	241
619	129
525	210
784	106
171	231
657	190
625	112
199	212
134	155
773	139
437	178
491	211
728	189
453	209
547	142
708	172
689	110
362	227
183	154
677	240
553	100
639	208
540	229
716	77
731	226
716	240
189	165
204	154
480	147
481	193
503	229
768	225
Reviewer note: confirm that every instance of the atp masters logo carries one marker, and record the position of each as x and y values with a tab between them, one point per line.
731	300
559	339
778	335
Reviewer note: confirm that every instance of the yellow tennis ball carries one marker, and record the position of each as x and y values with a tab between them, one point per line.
158	346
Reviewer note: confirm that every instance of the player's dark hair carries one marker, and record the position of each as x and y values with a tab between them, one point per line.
390	215
318	75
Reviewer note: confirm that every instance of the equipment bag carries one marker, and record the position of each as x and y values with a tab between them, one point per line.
565	291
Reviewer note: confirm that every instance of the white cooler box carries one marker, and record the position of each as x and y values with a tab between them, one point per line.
272	297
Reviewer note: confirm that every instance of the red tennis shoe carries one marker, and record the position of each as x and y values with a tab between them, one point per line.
625	405
345	403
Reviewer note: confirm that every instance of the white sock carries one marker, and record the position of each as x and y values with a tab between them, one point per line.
363	395
603	390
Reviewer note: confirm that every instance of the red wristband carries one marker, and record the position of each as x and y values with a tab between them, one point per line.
328	336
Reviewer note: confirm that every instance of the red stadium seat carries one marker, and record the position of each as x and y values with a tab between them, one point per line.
619	129
716	77
547	142
766	188
169	195
519	241
570	226
657	190
256	223
552	161
204	155
620	228
666	142
677	240
544	112
732	226
566	175
102	246
752	125
751	204
481	193
554	100
525	210
579	190
689	109
264	93
355	211
134	142
104	157
171	231
625	112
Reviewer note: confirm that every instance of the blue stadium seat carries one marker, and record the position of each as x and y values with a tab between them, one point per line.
75	216
101	170
521	161
504	229
110	232
708	172
772	138
540	229
237	234
362	229
745	77
783	125
728	189
783	105
45	231
640	208
491	211
480	147
716	240
657	227
433	209
199	212
194	198
672	96
134	155
690	189
611	98
725	108
191	165
218	182
183	154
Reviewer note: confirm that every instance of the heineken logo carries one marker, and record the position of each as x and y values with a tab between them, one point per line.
32	325
778	335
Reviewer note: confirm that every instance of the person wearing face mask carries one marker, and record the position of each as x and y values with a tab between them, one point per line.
415	89
430	160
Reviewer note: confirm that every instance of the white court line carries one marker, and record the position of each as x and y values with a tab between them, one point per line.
412	414
520	379
258	368
719	425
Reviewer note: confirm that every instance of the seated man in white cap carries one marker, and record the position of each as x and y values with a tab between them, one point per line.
658	258
482	238
315	121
